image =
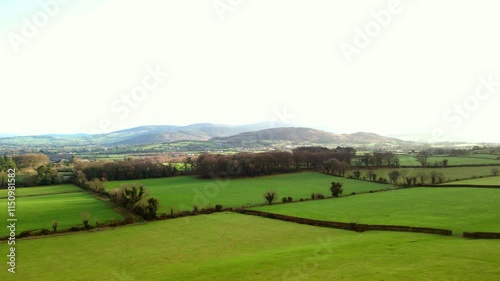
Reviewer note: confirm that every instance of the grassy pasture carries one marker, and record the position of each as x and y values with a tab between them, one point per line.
42	190
458	209
450	173
231	246
478	181
462	160
181	193
486	155
477	159
38	212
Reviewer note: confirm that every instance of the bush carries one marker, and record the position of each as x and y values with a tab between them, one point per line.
270	196
25	233
44	232
317	196
284	200
218	208
290	199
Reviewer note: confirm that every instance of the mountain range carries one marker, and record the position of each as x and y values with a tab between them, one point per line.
231	134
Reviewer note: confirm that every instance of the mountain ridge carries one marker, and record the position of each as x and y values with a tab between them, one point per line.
206	132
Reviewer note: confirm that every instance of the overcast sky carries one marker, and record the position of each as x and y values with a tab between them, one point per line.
389	67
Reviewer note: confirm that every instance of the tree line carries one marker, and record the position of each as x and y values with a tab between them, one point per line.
267	163
126	169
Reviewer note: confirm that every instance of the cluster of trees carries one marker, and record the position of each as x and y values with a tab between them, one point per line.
7	163
243	164
133	197
379	159
125	170
314	157
32	160
46	174
267	163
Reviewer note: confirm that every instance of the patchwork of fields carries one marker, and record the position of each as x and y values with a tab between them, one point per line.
38	207
181	193
450	173
457	209
228	246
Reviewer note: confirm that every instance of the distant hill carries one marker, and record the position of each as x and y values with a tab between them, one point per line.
138	135
308	135
195	132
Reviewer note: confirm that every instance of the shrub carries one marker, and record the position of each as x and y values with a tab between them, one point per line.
25	233
290	199
270	196
218	208
85	216
284	200
336	188
318	196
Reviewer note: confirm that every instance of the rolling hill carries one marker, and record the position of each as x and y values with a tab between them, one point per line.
311	136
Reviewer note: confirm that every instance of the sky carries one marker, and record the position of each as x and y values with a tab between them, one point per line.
422	69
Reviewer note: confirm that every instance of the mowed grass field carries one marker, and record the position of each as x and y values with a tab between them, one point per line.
228	246
457	209
450	173
38	212
181	193
41	190
478	181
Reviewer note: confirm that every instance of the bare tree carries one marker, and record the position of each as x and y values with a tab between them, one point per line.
423	156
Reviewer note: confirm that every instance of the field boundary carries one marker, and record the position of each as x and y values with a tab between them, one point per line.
482	235
43	194
346	226
462	185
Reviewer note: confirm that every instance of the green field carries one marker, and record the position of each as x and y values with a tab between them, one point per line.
478	159
486	155
231	246
41	190
450	173
38	212
462	160
478	181
458	209
181	193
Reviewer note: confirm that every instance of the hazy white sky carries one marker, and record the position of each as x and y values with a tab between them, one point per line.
389	67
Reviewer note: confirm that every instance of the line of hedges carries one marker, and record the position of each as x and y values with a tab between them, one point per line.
482	235
466	185
346	226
